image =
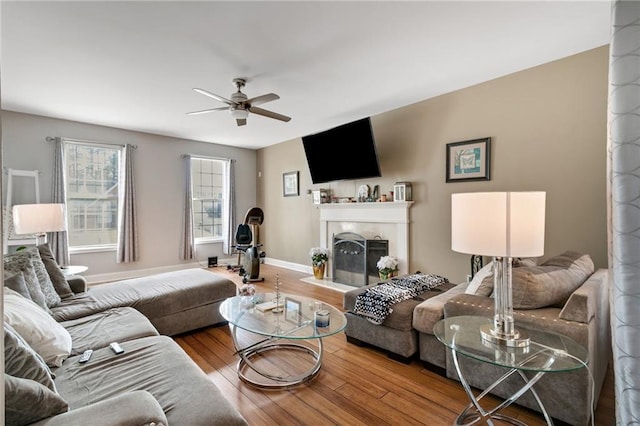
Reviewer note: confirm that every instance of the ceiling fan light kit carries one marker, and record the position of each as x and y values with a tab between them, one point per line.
240	106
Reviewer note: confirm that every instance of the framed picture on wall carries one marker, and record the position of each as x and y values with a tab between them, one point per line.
469	160
290	184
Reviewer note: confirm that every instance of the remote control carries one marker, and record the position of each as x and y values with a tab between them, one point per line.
115	347
85	356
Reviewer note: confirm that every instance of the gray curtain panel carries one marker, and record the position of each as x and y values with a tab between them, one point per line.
188	246
624	206
127	221
59	241
230	210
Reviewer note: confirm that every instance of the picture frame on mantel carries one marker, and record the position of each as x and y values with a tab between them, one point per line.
469	160
291	184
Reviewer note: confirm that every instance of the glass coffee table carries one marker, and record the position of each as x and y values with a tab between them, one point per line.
547	352
283	345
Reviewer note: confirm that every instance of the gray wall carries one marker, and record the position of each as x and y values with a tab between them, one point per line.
548	129
159	175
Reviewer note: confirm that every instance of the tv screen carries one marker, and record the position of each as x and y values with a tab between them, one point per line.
344	152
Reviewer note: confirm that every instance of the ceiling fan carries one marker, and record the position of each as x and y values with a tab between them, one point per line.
240	106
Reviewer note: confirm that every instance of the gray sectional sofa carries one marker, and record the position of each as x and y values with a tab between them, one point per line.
153	382
582	314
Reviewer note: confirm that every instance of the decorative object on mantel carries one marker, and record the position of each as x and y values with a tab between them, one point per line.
321	196
319	257
290	184
469	160
363	193
402	191
387	267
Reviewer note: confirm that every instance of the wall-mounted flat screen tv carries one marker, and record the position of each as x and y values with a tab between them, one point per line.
344	152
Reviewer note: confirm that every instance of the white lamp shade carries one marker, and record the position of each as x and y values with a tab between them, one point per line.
499	224
39	218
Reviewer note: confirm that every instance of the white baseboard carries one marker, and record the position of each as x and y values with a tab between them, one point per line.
116	276
289	265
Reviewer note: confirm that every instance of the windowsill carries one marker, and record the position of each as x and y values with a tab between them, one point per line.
92	249
217	241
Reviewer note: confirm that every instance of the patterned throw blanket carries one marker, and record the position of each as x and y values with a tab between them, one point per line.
375	304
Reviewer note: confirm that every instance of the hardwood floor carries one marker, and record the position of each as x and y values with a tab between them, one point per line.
356	385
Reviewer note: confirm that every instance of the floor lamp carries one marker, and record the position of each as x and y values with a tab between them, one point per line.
503	225
39	219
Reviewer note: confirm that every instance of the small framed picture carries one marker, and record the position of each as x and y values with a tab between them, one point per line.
292	310
469	160
290	184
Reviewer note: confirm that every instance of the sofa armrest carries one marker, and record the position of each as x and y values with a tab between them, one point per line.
429	312
129	409
583	302
77	283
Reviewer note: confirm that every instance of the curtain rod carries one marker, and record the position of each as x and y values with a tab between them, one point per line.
51	139
207	157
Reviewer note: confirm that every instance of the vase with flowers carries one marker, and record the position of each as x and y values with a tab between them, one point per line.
387	267
319	257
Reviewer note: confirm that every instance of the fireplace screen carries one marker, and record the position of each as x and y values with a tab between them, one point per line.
355	258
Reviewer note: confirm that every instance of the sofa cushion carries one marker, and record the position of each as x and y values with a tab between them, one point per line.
20	360
474	286
156	364
551	283
58	279
113	325
15	263
16	283
155	296
27	401
50	295
37	327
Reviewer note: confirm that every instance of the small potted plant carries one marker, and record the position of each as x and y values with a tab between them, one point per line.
319	257
387	267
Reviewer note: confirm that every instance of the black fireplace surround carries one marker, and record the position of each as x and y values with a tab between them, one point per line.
355	258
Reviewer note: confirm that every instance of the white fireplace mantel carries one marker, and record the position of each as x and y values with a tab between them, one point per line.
395	213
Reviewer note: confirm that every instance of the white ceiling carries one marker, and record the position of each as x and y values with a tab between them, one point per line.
133	65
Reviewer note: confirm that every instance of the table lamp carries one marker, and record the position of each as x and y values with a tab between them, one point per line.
503	225
39	219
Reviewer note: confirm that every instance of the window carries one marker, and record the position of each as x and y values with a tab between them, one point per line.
208	184
91	178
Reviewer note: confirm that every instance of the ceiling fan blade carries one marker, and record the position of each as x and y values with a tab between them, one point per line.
269	114
258	100
204	111
214	96
241	121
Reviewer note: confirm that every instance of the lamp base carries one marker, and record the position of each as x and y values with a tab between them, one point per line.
492	334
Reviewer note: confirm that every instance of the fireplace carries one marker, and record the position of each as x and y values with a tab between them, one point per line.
355	258
388	221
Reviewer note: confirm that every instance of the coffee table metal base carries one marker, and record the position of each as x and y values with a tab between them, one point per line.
275	380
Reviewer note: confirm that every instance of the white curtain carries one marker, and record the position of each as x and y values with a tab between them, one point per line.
59	241
623	167
229	210
188	245
127	219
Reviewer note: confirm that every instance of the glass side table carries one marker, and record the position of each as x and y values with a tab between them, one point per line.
547	352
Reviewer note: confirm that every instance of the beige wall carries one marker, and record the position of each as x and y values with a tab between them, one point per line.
548	130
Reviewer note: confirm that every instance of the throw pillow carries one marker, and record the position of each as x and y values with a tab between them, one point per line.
46	336
27	401
55	273
486	288
551	283
17	262
21	360
477	280
49	291
16	283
